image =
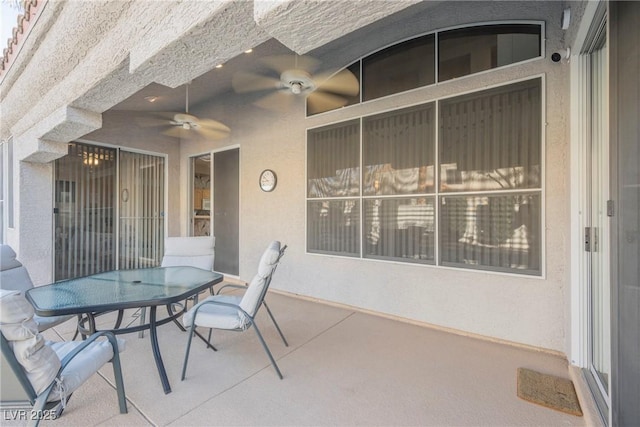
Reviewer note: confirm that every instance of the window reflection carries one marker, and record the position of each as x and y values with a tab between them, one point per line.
398	68
333	160
399	152
466	51
400	229
490	140
333	226
494	231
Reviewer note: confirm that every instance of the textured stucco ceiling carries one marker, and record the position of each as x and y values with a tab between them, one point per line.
105	55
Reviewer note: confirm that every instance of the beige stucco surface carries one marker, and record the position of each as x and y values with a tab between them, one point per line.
89	58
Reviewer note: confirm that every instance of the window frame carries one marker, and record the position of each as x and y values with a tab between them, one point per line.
437	194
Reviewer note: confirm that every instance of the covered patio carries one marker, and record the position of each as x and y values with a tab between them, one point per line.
342	367
457	212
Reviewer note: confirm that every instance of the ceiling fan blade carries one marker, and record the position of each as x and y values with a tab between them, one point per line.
318	102
184	118
154	119
213	125
175	132
282	63
278	101
344	82
209	133
244	82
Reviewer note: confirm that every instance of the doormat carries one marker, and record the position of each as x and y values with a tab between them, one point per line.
548	390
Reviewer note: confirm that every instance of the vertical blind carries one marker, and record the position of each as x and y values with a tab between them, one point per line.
86	202
333	171
490	145
84	211
141	203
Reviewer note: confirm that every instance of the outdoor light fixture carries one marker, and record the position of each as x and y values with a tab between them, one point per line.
90	159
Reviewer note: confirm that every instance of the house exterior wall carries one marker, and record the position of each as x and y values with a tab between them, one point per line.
101	65
526	310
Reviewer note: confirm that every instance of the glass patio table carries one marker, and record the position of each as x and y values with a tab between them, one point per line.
118	290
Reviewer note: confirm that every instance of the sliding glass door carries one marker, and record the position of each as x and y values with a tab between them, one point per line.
141	208
108	210
84	232
598	234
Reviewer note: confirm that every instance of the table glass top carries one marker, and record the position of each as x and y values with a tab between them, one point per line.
121	289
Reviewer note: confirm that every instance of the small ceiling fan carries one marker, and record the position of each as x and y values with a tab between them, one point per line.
290	76
185	125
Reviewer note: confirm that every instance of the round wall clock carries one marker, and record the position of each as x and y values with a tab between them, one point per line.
268	180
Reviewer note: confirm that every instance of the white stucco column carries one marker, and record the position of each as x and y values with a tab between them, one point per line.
33	193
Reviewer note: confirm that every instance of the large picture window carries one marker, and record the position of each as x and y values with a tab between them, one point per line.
462	189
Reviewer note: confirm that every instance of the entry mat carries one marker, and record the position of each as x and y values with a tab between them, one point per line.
548	390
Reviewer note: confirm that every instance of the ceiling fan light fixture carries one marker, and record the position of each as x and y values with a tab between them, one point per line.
296	88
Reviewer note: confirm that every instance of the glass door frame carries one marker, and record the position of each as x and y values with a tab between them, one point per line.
192	196
593	28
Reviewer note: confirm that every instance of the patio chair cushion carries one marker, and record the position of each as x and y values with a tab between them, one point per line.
8	258
81	367
189	251
40	362
13	275
251	298
217	316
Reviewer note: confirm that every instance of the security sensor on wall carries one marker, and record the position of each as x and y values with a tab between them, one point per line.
561	54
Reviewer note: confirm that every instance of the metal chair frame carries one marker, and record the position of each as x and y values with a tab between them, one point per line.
40	402
251	322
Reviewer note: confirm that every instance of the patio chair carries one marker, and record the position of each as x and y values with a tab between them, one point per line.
43	375
193	251
237	313
14	276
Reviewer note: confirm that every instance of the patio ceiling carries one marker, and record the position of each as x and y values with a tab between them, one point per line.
333	55
181	42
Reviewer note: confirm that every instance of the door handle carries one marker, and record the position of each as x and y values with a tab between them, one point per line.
587	239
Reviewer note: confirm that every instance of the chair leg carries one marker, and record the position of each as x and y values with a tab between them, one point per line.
171	313
143	316
117	374
192	331
207	341
273	319
266	349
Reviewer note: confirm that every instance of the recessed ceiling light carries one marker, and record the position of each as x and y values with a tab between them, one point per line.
219	66
248	51
151	98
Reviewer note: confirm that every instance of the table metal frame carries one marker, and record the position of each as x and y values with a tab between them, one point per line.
87	312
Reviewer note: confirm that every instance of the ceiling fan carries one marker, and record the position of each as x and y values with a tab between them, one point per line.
185	125
292	76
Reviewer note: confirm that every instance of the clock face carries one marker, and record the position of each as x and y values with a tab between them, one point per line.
268	180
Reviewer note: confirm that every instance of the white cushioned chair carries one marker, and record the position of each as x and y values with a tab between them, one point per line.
192	251
14	276
44	374
234	312
198	251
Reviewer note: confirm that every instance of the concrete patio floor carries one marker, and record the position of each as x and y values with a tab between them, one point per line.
342	367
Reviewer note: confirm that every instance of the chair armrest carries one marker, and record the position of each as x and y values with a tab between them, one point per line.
225	304
110	336
231	285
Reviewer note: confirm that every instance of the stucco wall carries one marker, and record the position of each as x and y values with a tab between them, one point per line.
520	309
526	310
